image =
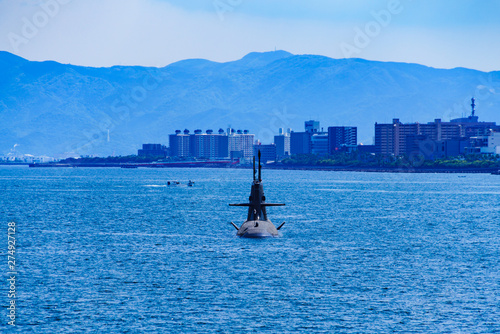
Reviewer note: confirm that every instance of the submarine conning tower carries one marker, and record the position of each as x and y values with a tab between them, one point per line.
257	200
257	208
257	225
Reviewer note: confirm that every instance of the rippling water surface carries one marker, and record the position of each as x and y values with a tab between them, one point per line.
117	250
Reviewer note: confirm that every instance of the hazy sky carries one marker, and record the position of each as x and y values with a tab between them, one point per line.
438	33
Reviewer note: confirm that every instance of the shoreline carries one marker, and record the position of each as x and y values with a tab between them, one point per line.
488	170
476	170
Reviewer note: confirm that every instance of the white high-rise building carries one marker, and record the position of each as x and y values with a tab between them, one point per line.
241	144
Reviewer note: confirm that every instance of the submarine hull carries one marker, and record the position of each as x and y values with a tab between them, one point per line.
257	229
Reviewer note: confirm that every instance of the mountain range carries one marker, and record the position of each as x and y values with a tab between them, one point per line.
49	108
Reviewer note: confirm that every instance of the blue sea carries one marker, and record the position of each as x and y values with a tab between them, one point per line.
119	251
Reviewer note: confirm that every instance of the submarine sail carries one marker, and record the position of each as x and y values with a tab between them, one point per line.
257	224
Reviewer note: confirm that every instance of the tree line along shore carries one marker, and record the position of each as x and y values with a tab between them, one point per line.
338	162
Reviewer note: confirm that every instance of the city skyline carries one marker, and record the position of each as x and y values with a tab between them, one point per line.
430	140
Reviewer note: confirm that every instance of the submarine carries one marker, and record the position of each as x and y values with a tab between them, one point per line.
257	224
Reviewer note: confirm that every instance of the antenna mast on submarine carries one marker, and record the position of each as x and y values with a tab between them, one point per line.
254	168
260	167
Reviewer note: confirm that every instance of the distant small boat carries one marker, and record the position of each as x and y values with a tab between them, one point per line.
190	183
173	183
